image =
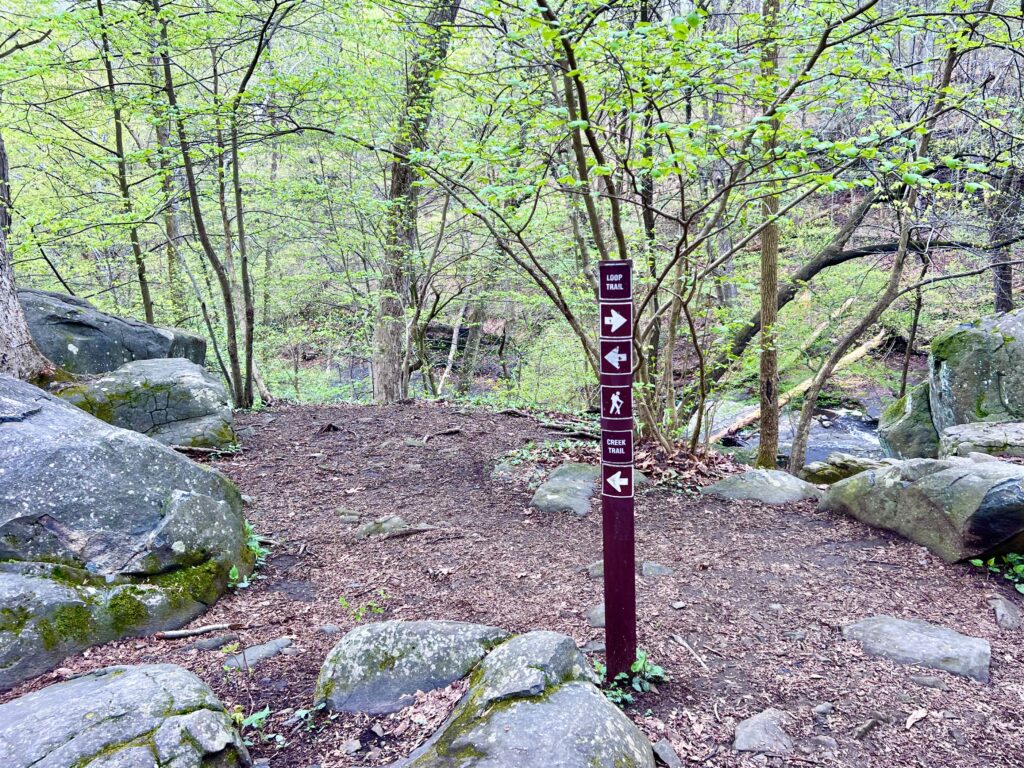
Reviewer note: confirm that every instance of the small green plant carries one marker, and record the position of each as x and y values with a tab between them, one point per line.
1011	567
256	722
236	580
254	542
642	676
370	607
308	716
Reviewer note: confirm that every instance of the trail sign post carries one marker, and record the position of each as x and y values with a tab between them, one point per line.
615	298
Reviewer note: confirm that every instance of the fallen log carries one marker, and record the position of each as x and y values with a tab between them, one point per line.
848	359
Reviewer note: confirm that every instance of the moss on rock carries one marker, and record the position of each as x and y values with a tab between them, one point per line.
13	620
126	610
201	583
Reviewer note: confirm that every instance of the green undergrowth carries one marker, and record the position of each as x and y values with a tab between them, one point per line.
1010	567
642	678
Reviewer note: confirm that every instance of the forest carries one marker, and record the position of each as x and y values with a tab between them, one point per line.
346	254
331	193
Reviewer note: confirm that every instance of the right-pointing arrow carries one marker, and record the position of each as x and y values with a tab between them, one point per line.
614	321
618	482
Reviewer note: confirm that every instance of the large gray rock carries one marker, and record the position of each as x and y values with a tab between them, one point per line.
768	486
906	430
81	339
49	611
983	437
172	400
377	668
838	466
533	704
958	508
108	531
568	489
923	644
151	716
976	372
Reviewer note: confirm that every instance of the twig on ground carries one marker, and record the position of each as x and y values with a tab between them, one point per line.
679	639
452	431
175	634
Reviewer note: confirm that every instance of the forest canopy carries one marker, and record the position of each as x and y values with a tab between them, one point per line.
390	199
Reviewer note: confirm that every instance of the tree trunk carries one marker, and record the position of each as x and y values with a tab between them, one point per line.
122	169
471	354
192	187
768	449
19	356
390	373
1004	214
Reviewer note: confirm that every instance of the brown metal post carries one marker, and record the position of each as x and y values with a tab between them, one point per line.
616	332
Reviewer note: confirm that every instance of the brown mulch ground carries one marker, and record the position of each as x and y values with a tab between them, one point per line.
749	619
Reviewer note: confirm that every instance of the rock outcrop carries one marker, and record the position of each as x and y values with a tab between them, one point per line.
82	340
377	668
568	489
923	644
983	437
975	377
906	430
104	533
958	508
838	466
532	703
150	716
768	486
976	372
172	400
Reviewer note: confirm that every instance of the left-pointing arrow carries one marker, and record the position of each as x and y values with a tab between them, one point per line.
618	482
614	321
615	358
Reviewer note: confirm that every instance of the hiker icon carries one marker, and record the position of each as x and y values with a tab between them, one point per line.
616	404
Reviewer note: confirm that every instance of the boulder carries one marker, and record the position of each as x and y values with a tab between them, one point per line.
764	733
121	717
533	704
976	372
49	611
838	466
255	654
923	644
82	340
768	486
172	400
568	489
377	668
958	508
105	533
983	437
905	430
1008	615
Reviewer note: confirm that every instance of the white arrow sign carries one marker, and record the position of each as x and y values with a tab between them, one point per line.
615	357
618	482
614	321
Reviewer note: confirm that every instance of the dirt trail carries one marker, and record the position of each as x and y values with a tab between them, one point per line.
760	594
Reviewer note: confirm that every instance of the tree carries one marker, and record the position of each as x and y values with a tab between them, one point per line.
390	372
19	356
768	447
